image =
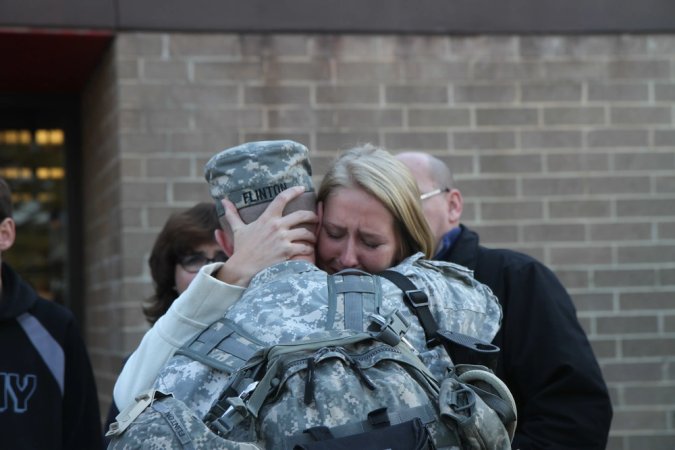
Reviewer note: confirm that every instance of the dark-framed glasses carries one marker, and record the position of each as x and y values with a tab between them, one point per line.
434	192
195	261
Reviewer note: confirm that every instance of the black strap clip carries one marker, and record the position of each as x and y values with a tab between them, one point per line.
465	349
417	298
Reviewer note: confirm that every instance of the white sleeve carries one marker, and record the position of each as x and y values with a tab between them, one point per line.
204	301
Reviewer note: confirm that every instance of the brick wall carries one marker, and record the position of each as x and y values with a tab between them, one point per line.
102	226
563	147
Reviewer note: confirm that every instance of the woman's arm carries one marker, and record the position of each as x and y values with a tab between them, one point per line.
204	301
270	239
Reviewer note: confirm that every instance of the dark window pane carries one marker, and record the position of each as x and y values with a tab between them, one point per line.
32	162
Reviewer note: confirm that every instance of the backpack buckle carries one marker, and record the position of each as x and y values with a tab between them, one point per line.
131	412
390	329
234	414
417	298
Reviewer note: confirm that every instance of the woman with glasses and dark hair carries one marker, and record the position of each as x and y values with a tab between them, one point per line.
185	244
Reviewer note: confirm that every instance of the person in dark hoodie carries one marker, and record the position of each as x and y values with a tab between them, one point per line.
48	396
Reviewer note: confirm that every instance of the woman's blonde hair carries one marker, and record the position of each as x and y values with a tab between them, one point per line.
378	173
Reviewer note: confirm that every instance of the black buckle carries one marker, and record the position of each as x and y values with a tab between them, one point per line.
433	342
379	418
417	298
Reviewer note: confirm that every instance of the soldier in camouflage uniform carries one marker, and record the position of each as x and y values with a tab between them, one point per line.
294	299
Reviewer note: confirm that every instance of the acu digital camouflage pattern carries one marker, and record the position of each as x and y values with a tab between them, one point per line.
175	428
290	301
478	426
255	172
340	394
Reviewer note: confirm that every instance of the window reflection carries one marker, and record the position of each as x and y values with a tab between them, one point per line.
32	162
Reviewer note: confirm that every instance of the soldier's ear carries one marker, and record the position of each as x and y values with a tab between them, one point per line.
7	233
225	241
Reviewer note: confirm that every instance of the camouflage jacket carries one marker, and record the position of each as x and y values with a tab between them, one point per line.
291	300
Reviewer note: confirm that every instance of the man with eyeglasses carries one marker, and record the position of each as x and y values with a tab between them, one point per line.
546	359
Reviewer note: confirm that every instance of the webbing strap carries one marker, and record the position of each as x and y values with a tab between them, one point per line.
223	336
424	412
236	348
177	426
418	303
353	311
208	339
360	295
499	405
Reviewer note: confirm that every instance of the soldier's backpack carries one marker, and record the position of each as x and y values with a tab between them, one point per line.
331	389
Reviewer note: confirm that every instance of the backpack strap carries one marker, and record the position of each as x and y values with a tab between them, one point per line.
460	347
221	336
361	296
418	303
378	419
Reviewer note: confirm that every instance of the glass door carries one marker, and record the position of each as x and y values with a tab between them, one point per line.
32	163
39	150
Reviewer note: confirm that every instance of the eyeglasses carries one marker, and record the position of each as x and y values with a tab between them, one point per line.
192	263
434	192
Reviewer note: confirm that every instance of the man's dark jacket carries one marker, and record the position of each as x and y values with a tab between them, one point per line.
49	398
546	359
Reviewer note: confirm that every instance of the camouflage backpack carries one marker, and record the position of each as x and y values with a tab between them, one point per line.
331	388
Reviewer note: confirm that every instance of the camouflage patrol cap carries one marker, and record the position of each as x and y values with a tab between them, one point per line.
251	175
